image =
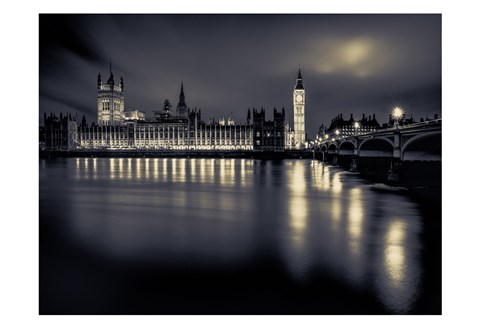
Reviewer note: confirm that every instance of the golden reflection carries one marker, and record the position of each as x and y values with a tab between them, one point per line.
297	203
394	254
129	168
155	169
232	168
193	167
326	179
165	169
297	179
111	167
147	168
120	168
336	184
298	214
336	213
138	169
242	171
182	170
202	170
95	168
355	220
222	171
398	279
174	167
77	170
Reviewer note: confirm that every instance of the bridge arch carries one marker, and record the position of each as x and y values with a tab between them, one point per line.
332	148
425	146
346	148
323	148
376	147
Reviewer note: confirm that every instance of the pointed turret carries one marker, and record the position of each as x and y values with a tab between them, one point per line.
181	101
110	79
182	106
99	81
299	82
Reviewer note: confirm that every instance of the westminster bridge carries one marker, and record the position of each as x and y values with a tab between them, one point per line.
410	153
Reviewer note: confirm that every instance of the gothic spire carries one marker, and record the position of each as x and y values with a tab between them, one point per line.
181	100
299	82
110	79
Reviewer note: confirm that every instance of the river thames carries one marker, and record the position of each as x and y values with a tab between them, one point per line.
232	236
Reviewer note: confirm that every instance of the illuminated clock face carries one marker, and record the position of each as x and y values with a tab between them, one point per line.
298	98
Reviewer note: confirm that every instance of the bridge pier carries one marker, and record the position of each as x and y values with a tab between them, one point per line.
353	164
394	170
335	160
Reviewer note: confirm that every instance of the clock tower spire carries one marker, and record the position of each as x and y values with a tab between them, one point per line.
299	112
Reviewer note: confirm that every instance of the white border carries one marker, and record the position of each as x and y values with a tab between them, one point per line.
19	164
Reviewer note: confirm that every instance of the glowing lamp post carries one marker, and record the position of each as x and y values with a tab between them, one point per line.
397	114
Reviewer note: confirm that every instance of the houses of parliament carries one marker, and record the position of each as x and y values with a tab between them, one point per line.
181	128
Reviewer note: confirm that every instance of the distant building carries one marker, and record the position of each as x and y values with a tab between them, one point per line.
59	133
340	127
134	115
269	135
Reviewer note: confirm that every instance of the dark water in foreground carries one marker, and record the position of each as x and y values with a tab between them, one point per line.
231	236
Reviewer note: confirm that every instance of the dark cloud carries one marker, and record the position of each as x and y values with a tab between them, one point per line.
350	63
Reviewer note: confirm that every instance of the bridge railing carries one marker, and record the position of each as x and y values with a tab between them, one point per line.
394	128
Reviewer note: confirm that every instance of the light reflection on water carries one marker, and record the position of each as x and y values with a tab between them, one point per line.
220	210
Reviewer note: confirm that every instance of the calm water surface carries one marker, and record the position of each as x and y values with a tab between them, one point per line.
230	236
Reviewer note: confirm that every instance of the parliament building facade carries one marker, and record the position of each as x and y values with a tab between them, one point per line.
184	129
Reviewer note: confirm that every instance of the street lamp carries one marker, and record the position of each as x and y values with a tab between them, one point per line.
397	114
337	132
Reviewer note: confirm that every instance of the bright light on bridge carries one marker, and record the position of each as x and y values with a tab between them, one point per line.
397	112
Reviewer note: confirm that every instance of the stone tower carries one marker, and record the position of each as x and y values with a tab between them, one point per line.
299	112
110	101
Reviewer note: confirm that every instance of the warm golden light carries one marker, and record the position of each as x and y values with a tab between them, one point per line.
397	112
138	169
297	203
336	184
147	168
129	168
355	220
155	169
356	125
395	252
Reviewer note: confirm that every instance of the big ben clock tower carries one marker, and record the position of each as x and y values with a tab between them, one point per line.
299	112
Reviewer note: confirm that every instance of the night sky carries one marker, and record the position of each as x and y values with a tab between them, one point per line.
350	63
